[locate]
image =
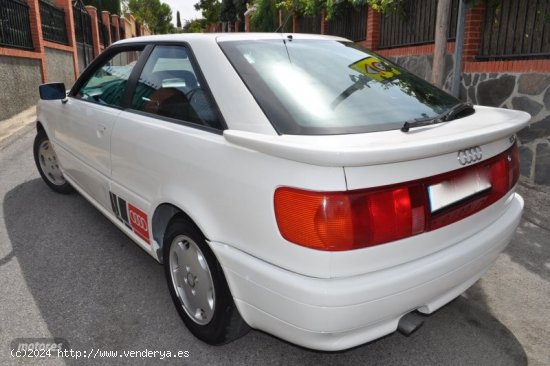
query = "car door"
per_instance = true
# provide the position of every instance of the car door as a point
(83, 138)
(170, 117)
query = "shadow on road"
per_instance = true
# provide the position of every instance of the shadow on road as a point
(95, 288)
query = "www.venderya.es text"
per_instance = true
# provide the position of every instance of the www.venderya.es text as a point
(96, 353)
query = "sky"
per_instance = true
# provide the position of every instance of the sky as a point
(186, 8)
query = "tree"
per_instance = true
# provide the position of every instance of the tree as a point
(264, 19)
(297, 7)
(210, 10)
(383, 6)
(178, 19)
(157, 15)
(112, 6)
(232, 10)
(441, 30)
(195, 25)
(228, 13)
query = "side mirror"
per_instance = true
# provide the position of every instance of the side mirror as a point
(52, 91)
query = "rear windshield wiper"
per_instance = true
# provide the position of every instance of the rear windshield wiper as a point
(461, 109)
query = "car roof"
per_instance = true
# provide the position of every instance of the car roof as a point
(217, 37)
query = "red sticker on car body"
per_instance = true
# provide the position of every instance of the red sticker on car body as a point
(138, 221)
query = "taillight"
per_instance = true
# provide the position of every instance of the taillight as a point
(313, 219)
(336, 221)
(349, 220)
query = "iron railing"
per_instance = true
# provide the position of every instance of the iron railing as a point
(113, 32)
(414, 24)
(15, 26)
(83, 33)
(516, 29)
(349, 22)
(103, 33)
(53, 23)
(310, 24)
(82, 23)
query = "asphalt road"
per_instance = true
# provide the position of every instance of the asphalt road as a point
(66, 271)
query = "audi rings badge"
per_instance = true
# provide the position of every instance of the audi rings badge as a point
(470, 155)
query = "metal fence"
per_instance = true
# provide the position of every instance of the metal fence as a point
(516, 29)
(310, 24)
(15, 26)
(113, 32)
(54, 28)
(82, 25)
(83, 33)
(103, 32)
(349, 22)
(414, 24)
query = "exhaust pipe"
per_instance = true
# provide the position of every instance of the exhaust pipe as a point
(409, 323)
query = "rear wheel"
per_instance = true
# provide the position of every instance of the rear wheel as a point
(198, 286)
(48, 165)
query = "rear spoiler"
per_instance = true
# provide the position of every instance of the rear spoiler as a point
(486, 125)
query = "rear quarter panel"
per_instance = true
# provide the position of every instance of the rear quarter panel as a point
(227, 190)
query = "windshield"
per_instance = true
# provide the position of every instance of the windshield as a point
(314, 87)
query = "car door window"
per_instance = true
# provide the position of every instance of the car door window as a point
(169, 87)
(107, 84)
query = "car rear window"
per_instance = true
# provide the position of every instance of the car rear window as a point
(315, 87)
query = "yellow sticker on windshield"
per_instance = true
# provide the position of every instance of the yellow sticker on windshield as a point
(374, 68)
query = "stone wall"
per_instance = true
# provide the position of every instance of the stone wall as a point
(19, 78)
(60, 66)
(528, 92)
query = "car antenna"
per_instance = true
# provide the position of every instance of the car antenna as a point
(282, 26)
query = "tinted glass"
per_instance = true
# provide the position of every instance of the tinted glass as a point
(168, 86)
(107, 84)
(330, 87)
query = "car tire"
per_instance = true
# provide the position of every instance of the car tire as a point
(198, 286)
(48, 165)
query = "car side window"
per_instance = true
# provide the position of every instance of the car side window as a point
(107, 84)
(168, 86)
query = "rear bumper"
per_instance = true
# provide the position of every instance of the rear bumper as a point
(340, 313)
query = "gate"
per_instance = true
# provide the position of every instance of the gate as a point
(83, 30)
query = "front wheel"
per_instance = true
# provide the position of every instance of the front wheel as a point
(198, 286)
(48, 165)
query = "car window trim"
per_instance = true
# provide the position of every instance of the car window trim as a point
(132, 84)
(134, 77)
(97, 63)
(175, 121)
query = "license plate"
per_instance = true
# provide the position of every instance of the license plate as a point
(449, 192)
